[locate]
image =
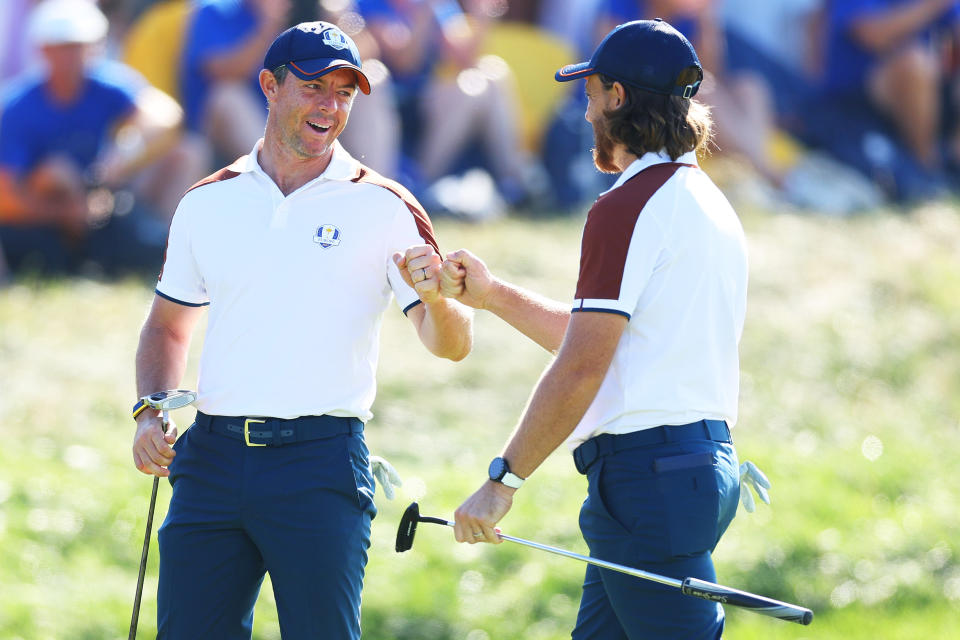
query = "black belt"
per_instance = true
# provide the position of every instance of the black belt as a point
(607, 443)
(276, 432)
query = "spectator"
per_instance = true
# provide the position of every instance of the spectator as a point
(885, 50)
(76, 141)
(221, 60)
(448, 93)
(785, 30)
(783, 41)
(742, 106)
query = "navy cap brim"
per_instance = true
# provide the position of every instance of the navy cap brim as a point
(574, 71)
(316, 67)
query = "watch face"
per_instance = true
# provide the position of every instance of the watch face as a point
(498, 467)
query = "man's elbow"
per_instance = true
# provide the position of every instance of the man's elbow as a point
(456, 351)
(463, 352)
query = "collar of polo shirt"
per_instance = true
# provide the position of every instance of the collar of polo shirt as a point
(342, 165)
(648, 160)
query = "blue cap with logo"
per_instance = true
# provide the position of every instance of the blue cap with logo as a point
(312, 49)
(646, 54)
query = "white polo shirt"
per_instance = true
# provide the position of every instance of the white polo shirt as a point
(664, 248)
(296, 285)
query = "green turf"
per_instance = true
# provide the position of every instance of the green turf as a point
(850, 403)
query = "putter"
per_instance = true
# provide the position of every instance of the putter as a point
(688, 586)
(163, 401)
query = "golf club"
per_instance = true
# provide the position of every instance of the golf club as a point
(163, 401)
(688, 586)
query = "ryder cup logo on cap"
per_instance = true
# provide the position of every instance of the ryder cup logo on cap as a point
(313, 49)
(335, 39)
(327, 236)
(647, 54)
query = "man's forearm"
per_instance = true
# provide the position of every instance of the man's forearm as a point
(539, 318)
(447, 329)
(565, 391)
(880, 33)
(559, 401)
(161, 359)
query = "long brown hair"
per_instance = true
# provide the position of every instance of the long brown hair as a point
(651, 122)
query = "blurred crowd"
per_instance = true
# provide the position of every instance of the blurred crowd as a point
(110, 110)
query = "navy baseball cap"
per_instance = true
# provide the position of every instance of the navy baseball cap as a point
(646, 54)
(312, 49)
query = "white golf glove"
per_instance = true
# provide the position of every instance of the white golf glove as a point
(751, 476)
(387, 477)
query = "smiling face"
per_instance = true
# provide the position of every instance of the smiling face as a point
(308, 115)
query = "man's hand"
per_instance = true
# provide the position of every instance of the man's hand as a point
(467, 279)
(475, 519)
(420, 268)
(152, 450)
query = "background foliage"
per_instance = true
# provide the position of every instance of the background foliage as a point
(850, 403)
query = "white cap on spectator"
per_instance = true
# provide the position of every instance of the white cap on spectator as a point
(66, 22)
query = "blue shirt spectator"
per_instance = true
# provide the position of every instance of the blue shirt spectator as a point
(34, 127)
(216, 27)
(848, 60)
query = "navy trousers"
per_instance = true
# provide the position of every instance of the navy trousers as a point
(301, 511)
(662, 508)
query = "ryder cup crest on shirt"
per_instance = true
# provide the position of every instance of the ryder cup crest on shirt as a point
(327, 236)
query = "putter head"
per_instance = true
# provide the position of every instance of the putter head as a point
(407, 528)
(170, 399)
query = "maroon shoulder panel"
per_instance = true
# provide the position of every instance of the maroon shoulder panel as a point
(424, 226)
(609, 228)
(224, 174)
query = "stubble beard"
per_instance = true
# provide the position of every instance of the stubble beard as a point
(603, 146)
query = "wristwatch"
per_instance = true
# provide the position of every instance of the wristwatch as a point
(140, 407)
(499, 471)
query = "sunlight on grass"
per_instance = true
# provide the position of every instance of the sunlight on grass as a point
(850, 403)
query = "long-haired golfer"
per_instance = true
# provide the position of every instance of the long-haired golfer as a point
(645, 383)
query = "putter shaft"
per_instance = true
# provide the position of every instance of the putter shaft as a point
(143, 560)
(688, 586)
(639, 573)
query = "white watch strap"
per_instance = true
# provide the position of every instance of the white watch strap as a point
(512, 480)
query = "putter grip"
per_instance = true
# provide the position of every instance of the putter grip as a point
(758, 604)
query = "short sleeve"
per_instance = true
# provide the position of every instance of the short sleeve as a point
(180, 279)
(408, 230)
(618, 254)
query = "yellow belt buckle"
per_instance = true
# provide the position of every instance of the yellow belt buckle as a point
(246, 432)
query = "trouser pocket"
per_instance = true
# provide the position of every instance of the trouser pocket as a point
(688, 486)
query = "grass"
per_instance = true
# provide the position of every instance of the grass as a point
(850, 403)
